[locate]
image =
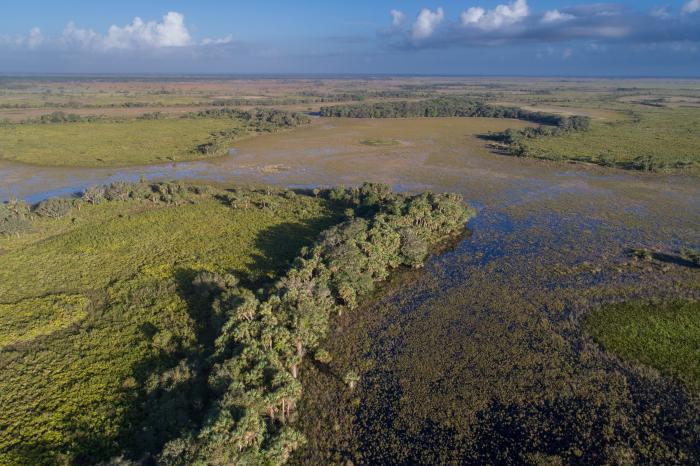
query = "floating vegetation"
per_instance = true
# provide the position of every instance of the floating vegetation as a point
(380, 142)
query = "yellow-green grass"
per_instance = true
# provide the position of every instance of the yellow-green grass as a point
(380, 142)
(663, 335)
(93, 305)
(670, 138)
(109, 142)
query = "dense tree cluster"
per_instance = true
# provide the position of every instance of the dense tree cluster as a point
(256, 365)
(261, 119)
(16, 216)
(453, 107)
(167, 192)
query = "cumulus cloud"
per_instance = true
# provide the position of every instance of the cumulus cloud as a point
(170, 32)
(397, 18)
(515, 23)
(502, 15)
(555, 16)
(691, 6)
(426, 22)
(35, 38)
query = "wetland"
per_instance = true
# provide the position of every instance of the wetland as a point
(523, 340)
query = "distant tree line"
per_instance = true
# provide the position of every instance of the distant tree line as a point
(258, 121)
(261, 118)
(454, 107)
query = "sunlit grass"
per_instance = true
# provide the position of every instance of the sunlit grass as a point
(92, 307)
(109, 142)
(669, 138)
(665, 336)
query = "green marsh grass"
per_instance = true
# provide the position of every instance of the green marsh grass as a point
(95, 315)
(648, 140)
(663, 335)
(109, 142)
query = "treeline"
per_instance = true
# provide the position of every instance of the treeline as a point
(17, 216)
(258, 121)
(62, 117)
(255, 374)
(454, 107)
(262, 119)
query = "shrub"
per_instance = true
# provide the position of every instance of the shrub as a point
(94, 194)
(14, 218)
(55, 207)
(118, 191)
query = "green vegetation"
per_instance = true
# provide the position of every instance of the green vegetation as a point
(108, 143)
(649, 140)
(63, 141)
(380, 142)
(101, 329)
(663, 335)
(14, 218)
(454, 107)
(146, 317)
(263, 339)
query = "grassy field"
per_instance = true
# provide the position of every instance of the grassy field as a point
(109, 143)
(649, 125)
(651, 139)
(97, 316)
(665, 336)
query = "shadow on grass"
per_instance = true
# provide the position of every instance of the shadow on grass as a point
(174, 397)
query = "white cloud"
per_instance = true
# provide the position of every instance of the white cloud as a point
(502, 15)
(171, 32)
(472, 15)
(555, 16)
(567, 53)
(35, 38)
(660, 13)
(81, 38)
(397, 18)
(224, 40)
(691, 6)
(426, 23)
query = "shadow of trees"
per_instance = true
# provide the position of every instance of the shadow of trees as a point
(173, 394)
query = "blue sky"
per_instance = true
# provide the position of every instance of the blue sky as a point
(485, 37)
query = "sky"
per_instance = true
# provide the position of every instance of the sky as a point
(426, 37)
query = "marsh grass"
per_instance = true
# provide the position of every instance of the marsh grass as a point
(98, 313)
(648, 139)
(663, 335)
(110, 142)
